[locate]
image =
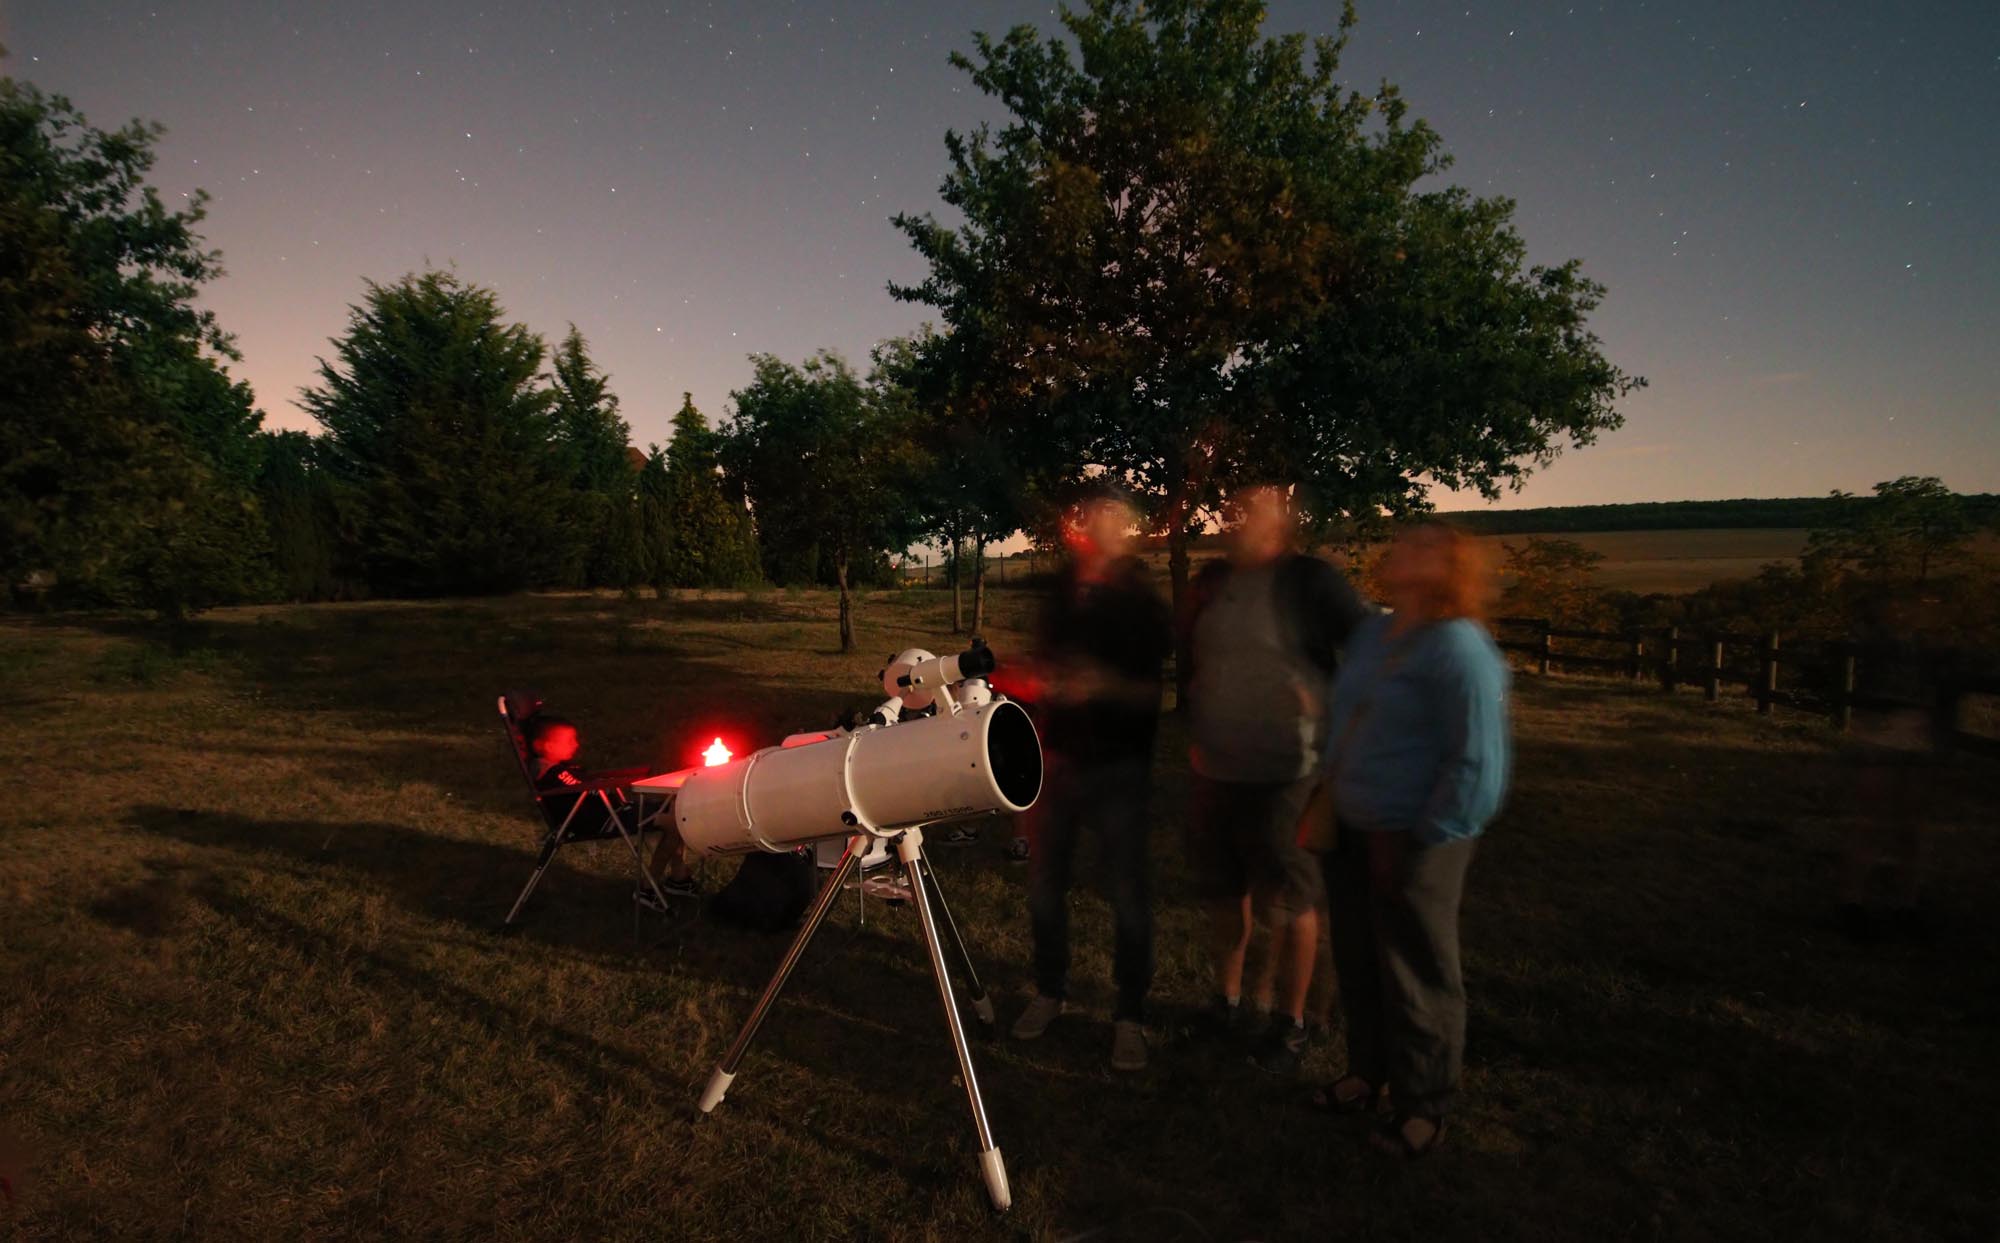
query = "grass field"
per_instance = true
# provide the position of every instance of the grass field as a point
(255, 988)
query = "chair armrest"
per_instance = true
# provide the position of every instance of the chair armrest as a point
(591, 786)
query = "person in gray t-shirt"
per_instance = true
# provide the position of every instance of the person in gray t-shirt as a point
(1264, 636)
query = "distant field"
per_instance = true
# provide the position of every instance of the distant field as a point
(1677, 561)
(1641, 561)
(253, 984)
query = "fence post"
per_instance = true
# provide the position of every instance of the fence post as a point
(1767, 678)
(1714, 689)
(1843, 707)
(1670, 660)
(1548, 647)
(1636, 660)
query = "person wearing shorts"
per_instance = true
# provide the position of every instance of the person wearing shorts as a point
(1263, 637)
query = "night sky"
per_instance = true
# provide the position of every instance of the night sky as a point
(1795, 207)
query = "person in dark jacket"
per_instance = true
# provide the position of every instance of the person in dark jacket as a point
(1102, 647)
(1264, 631)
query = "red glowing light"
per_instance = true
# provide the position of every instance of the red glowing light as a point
(716, 754)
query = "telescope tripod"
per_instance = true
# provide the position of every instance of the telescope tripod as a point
(936, 919)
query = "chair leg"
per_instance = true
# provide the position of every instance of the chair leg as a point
(548, 852)
(638, 861)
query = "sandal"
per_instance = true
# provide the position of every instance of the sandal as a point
(1392, 1138)
(1349, 1094)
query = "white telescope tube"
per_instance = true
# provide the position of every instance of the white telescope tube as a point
(984, 760)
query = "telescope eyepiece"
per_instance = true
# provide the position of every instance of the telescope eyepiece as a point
(977, 661)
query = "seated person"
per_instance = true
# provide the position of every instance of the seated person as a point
(552, 750)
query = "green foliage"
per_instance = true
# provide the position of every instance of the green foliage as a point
(706, 539)
(1189, 257)
(1773, 513)
(126, 451)
(1555, 579)
(827, 466)
(1910, 529)
(653, 522)
(595, 444)
(300, 519)
(441, 443)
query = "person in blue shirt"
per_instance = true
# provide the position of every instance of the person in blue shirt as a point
(1417, 762)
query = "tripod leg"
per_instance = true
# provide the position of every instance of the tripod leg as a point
(725, 1072)
(910, 849)
(982, 1005)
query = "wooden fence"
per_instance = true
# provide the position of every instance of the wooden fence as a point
(1703, 658)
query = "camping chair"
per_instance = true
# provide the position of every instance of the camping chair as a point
(558, 808)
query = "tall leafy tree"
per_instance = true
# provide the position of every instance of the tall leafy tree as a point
(971, 486)
(824, 464)
(1909, 529)
(126, 450)
(595, 443)
(441, 443)
(1189, 255)
(709, 538)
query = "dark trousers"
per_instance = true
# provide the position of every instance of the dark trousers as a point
(1112, 798)
(1394, 906)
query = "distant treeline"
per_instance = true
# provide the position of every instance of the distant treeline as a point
(1768, 513)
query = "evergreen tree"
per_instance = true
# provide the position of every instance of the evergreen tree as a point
(596, 446)
(440, 442)
(299, 517)
(707, 540)
(654, 524)
(126, 450)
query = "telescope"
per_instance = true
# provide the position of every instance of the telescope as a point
(879, 782)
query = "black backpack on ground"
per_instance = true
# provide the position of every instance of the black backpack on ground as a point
(768, 893)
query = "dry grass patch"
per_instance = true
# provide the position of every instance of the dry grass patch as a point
(250, 887)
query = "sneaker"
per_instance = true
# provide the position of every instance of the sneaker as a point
(958, 835)
(1222, 1021)
(1017, 850)
(1282, 1048)
(1128, 1045)
(1035, 1020)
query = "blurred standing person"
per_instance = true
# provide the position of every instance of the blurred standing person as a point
(1419, 763)
(1266, 627)
(1103, 641)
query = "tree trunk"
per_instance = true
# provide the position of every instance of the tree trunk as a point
(957, 588)
(846, 604)
(1177, 580)
(978, 584)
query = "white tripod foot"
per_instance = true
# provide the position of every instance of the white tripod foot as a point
(984, 1009)
(994, 1170)
(718, 1087)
